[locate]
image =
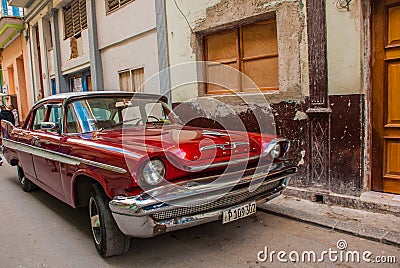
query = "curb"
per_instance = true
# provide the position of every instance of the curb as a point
(373, 226)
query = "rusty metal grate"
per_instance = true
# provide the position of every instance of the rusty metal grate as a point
(225, 201)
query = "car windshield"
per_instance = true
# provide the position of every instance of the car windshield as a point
(97, 114)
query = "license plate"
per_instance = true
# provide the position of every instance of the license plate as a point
(238, 212)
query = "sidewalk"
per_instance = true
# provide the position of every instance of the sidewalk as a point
(374, 226)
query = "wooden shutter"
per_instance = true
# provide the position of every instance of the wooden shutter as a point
(124, 81)
(68, 25)
(138, 79)
(112, 5)
(222, 56)
(251, 49)
(123, 2)
(260, 56)
(75, 18)
(83, 14)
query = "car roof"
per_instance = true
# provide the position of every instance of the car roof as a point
(73, 95)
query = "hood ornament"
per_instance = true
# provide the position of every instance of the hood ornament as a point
(224, 147)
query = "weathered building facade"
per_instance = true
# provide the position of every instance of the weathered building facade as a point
(127, 37)
(325, 69)
(321, 86)
(14, 57)
(82, 45)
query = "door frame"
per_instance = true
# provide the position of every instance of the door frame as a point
(366, 106)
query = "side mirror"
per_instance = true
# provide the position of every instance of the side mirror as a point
(48, 126)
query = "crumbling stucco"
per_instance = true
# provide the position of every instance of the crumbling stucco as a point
(204, 17)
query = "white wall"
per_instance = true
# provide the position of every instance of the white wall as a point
(179, 37)
(127, 40)
(130, 20)
(140, 52)
(344, 30)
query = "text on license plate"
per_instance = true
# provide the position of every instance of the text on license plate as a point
(239, 212)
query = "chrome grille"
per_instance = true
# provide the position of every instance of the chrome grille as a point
(225, 201)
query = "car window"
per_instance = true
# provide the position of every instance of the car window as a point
(102, 114)
(39, 117)
(131, 115)
(155, 110)
(73, 125)
(55, 116)
(97, 113)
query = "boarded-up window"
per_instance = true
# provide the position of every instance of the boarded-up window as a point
(112, 5)
(75, 18)
(137, 79)
(252, 53)
(131, 80)
(124, 81)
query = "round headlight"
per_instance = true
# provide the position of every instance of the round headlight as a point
(276, 151)
(153, 172)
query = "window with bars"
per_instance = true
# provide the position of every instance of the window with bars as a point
(75, 18)
(243, 59)
(112, 5)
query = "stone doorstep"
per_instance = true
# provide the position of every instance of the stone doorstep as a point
(371, 225)
(368, 201)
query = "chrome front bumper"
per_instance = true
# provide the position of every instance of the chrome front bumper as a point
(193, 203)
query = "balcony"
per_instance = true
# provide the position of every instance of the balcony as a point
(11, 23)
(20, 3)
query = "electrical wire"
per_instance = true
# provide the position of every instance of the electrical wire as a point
(343, 4)
(187, 21)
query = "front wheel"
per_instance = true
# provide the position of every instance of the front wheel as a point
(108, 238)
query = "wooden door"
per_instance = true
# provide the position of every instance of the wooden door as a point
(386, 96)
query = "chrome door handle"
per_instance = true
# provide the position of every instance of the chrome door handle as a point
(35, 141)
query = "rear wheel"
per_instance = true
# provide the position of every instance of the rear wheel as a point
(26, 184)
(108, 238)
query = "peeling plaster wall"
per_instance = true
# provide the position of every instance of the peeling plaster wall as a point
(206, 16)
(344, 48)
(290, 103)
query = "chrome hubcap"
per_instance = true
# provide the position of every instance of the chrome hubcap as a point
(95, 220)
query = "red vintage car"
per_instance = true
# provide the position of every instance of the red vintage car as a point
(141, 172)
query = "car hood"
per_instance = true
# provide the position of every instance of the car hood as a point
(187, 143)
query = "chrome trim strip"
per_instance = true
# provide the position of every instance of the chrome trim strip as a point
(59, 157)
(224, 147)
(105, 147)
(214, 133)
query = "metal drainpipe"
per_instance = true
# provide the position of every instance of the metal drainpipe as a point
(31, 62)
(163, 50)
(96, 68)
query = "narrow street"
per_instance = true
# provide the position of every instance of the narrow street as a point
(36, 230)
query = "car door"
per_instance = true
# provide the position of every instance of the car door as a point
(24, 137)
(47, 146)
